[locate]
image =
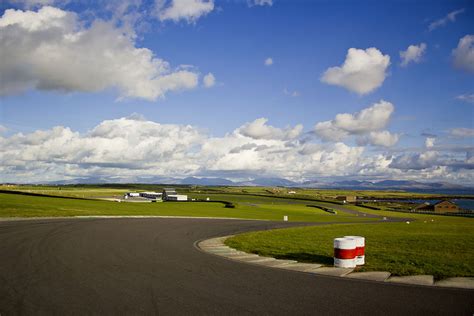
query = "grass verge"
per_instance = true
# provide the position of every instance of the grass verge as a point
(443, 247)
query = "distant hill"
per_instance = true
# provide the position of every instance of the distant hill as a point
(269, 182)
(206, 181)
(401, 185)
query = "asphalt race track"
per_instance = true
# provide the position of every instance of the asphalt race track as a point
(151, 266)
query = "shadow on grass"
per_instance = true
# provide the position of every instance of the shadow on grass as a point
(307, 257)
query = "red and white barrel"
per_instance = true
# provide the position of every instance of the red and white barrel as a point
(360, 249)
(344, 252)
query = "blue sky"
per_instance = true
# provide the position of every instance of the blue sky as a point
(432, 96)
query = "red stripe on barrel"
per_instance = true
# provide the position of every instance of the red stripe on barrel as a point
(360, 251)
(344, 253)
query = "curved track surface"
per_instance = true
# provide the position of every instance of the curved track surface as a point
(151, 266)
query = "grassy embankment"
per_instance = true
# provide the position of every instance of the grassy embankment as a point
(14, 205)
(438, 245)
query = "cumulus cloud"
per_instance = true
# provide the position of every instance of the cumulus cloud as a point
(383, 138)
(259, 129)
(416, 161)
(413, 53)
(466, 97)
(57, 52)
(134, 148)
(463, 54)
(362, 72)
(434, 163)
(209, 80)
(127, 143)
(328, 131)
(462, 132)
(450, 17)
(371, 119)
(188, 10)
(429, 142)
(268, 61)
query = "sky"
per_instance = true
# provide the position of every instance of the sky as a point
(302, 90)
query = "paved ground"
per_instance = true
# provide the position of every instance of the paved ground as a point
(150, 266)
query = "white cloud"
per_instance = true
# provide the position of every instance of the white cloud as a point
(466, 97)
(259, 129)
(464, 54)
(133, 147)
(126, 143)
(3, 129)
(363, 71)
(429, 142)
(328, 131)
(209, 80)
(268, 61)
(413, 53)
(371, 119)
(450, 17)
(462, 132)
(383, 138)
(416, 161)
(189, 10)
(85, 59)
(434, 164)
(260, 2)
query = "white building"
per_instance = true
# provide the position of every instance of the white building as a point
(169, 194)
(151, 195)
(177, 197)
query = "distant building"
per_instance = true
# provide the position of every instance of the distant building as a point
(177, 197)
(151, 195)
(291, 192)
(169, 194)
(347, 198)
(131, 194)
(439, 207)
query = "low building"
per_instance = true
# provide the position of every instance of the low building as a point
(446, 207)
(440, 207)
(425, 207)
(169, 194)
(177, 197)
(151, 195)
(347, 198)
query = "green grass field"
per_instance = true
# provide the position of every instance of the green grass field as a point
(437, 245)
(14, 205)
(87, 191)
